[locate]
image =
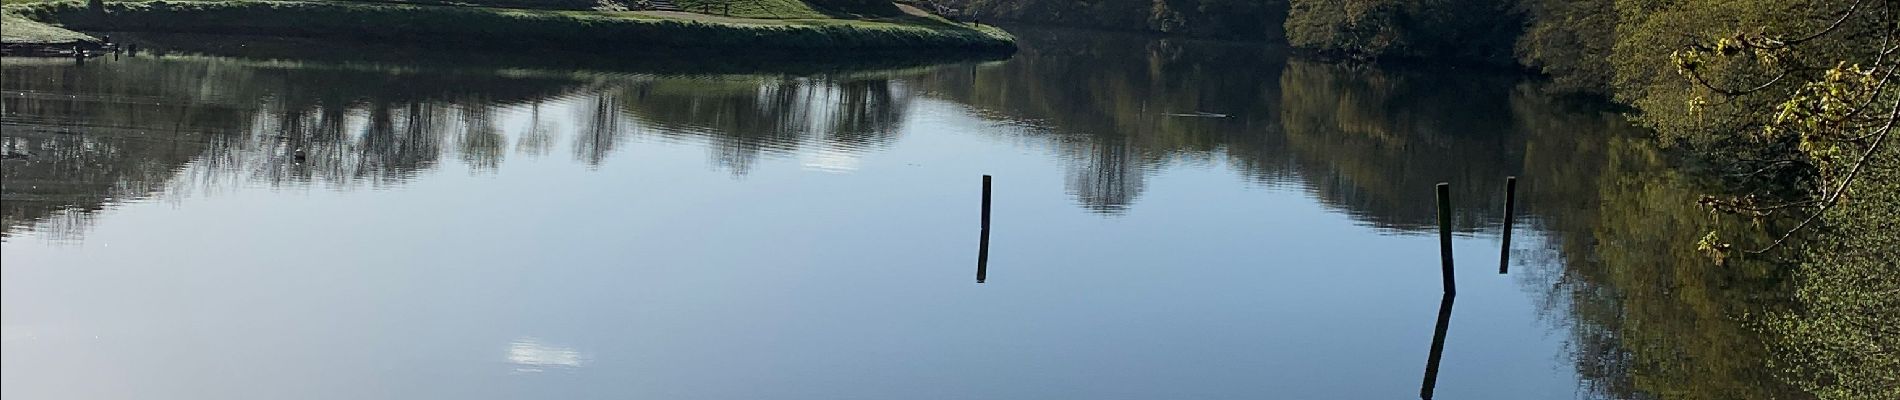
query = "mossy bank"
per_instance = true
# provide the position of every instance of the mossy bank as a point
(504, 28)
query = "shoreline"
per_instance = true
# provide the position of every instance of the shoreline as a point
(26, 37)
(292, 50)
(490, 28)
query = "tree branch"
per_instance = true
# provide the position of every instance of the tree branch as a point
(1834, 198)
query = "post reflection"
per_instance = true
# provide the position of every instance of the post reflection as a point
(1426, 388)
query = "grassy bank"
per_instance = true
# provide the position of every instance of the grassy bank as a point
(768, 9)
(513, 28)
(22, 30)
(273, 49)
(19, 30)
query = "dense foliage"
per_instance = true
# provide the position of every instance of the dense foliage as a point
(1463, 30)
(1787, 102)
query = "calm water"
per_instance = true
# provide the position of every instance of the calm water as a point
(1173, 219)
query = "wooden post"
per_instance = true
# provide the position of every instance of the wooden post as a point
(983, 244)
(1510, 215)
(1438, 348)
(1444, 237)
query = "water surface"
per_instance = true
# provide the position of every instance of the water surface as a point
(1172, 219)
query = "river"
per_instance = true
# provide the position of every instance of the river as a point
(1172, 219)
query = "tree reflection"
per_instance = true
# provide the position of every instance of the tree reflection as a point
(748, 118)
(540, 136)
(1105, 104)
(72, 151)
(482, 143)
(90, 136)
(1109, 180)
(82, 138)
(1373, 142)
(1648, 315)
(599, 130)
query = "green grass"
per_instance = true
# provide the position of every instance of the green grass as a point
(765, 9)
(533, 4)
(15, 29)
(19, 30)
(509, 28)
(779, 9)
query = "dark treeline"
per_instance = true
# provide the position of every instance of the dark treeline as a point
(1252, 19)
(1586, 45)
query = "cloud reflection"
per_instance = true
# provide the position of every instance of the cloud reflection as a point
(831, 161)
(531, 355)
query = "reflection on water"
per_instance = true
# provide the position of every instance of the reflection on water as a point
(1358, 139)
(829, 120)
(1425, 389)
(530, 355)
(1204, 177)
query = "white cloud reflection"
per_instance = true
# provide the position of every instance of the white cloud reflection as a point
(531, 355)
(837, 161)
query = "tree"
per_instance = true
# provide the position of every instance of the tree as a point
(1569, 40)
(1794, 103)
(1798, 105)
(1446, 31)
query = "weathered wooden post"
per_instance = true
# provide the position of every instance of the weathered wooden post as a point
(1510, 215)
(983, 244)
(1444, 237)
